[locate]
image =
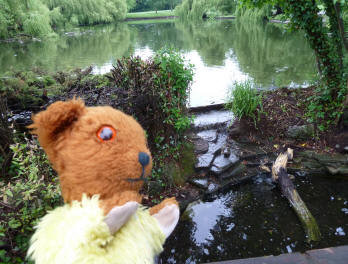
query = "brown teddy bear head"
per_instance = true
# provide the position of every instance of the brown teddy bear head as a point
(95, 150)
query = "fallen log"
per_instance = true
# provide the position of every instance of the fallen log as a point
(280, 176)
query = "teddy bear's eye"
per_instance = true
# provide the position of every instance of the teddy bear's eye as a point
(106, 133)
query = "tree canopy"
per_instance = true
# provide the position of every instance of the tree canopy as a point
(38, 17)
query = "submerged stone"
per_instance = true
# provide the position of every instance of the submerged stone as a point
(221, 163)
(213, 118)
(213, 187)
(209, 135)
(201, 146)
(216, 147)
(200, 183)
(204, 161)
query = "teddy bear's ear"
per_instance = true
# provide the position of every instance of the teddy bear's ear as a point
(55, 119)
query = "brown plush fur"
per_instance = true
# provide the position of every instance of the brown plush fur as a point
(68, 133)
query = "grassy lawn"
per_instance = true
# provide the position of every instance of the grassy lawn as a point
(147, 14)
(149, 21)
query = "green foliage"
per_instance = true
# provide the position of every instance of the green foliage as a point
(26, 90)
(29, 192)
(246, 15)
(159, 89)
(199, 9)
(37, 17)
(327, 105)
(174, 76)
(244, 101)
(30, 17)
(148, 5)
(87, 12)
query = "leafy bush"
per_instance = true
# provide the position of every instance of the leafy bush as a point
(31, 190)
(27, 90)
(156, 93)
(244, 101)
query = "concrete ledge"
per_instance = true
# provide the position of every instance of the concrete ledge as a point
(335, 255)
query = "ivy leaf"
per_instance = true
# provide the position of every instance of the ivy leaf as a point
(13, 223)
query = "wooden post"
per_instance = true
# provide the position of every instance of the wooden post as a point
(280, 175)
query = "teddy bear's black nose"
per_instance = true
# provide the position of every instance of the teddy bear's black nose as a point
(143, 158)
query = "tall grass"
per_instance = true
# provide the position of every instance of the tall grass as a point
(244, 100)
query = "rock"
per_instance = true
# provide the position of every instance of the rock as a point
(213, 187)
(212, 119)
(200, 183)
(236, 129)
(322, 163)
(209, 135)
(201, 146)
(204, 161)
(300, 132)
(221, 163)
(216, 147)
(226, 151)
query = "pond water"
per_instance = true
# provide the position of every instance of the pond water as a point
(223, 52)
(255, 220)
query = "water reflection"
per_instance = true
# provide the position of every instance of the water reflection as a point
(255, 220)
(223, 52)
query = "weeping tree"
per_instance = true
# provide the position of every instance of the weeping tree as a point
(87, 12)
(28, 16)
(37, 17)
(198, 9)
(327, 40)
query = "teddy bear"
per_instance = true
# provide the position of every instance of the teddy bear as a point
(102, 159)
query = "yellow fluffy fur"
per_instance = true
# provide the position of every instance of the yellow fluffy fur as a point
(76, 233)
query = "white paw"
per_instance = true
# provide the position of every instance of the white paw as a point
(167, 218)
(119, 215)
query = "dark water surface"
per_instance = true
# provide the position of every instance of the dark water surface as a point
(255, 220)
(222, 52)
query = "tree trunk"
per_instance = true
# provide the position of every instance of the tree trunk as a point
(305, 16)
(280, 175)
(341, 24)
